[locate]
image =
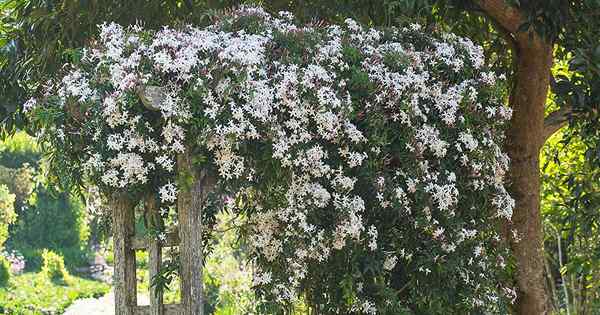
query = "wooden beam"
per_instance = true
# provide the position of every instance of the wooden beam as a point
(141, 242)
(123, 228)
(170, 309)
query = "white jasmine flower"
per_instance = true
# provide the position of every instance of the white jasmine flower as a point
(168, 193)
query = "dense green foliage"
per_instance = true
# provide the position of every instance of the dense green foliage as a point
(35, 294)
(227, 278)
(55, 221)
(45, 216)
(20, 183)
(4, 272)
(19, 151)
(572, 221)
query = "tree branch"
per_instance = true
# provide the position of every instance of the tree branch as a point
(556, 120)
(509, 17)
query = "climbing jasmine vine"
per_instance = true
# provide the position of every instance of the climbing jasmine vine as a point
(365, 160)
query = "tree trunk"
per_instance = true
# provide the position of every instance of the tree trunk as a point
(533, 62)
(525, 138)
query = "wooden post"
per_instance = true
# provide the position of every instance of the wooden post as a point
(190, 202)
(154, 255)
(124, 274)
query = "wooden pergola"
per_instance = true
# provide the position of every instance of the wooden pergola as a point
(188, 236)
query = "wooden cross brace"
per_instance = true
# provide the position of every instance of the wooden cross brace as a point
(125, 245)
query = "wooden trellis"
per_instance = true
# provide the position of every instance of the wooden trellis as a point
(188, 237)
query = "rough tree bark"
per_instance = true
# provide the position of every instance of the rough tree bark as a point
(191, 201)
(526, 135)
(525, 138)
(123, 229)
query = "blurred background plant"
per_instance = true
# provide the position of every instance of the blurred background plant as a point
(39, 225)
(4, 271)
(16, 261)
(7, 213)
(46, 217)
(53, 267)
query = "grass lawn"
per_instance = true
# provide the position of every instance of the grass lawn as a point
(34, 293)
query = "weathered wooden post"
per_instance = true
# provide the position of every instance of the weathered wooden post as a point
(191, 201)
(194, 188)
(124, 276)
(154, 255)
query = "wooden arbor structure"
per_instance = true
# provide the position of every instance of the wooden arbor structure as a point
(188, 236)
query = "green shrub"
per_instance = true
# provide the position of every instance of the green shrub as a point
(76, 256)
(47, 218)
(56, 221)
(7, 213)
(4, 271)
(19, 182)
(54, 266)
